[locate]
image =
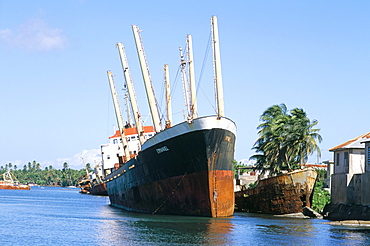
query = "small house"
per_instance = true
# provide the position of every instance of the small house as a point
(351, 175)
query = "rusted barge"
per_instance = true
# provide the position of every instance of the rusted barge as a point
(99, 189)
(11, 183)
(283, 194)
(10, 186)
(90, 185)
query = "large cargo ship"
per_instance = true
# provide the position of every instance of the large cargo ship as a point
(186, 169)
(182, 169)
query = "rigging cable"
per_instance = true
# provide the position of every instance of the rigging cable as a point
(202, 71)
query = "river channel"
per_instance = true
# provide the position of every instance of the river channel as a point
(61, 216)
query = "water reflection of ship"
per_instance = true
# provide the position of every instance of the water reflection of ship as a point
(144, 229)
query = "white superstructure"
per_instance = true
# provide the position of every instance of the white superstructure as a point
(113, 151)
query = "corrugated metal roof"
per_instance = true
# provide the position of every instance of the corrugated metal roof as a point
(353, 143)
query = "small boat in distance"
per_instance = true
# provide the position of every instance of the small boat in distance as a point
(10, 182)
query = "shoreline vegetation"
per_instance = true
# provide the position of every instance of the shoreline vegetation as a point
(33, 174)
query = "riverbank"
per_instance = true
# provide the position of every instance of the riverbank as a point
(341, 212)
(349, 223)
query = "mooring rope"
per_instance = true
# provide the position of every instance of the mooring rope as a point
(173, 192)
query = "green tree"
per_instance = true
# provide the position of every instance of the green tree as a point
(49, 176)
(321, 196)
(65, 166)
(286, 139)
(38, 167)
(34, 165)
(88, 166)
(236, 167)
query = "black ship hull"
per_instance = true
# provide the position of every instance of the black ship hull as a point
(183, 170)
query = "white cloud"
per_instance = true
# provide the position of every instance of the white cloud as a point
(79, 160)
(34, 35)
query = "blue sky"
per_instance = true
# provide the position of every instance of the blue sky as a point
(54, 55)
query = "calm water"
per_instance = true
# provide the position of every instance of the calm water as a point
(57, 216)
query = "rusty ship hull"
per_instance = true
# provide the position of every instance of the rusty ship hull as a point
(10, 186)
(184, 170)
(284, 194)
(99, 189)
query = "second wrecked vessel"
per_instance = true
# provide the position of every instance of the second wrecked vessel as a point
(283, 194)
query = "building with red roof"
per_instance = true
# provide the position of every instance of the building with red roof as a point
(349, 184)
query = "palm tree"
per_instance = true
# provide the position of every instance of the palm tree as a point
(38, 167)
(65, 165)
(34, 165)
(285, 140)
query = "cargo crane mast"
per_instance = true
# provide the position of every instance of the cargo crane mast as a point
(188, 79)
(121, 126)
(168, 96)
(217, 68)
(193, 99)
(185, 84)
(147, 80)
(128, 109)
(131, 92)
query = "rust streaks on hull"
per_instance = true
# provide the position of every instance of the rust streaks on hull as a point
(181, 195)
(221, 193)
(99, 189)
(14, 187)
